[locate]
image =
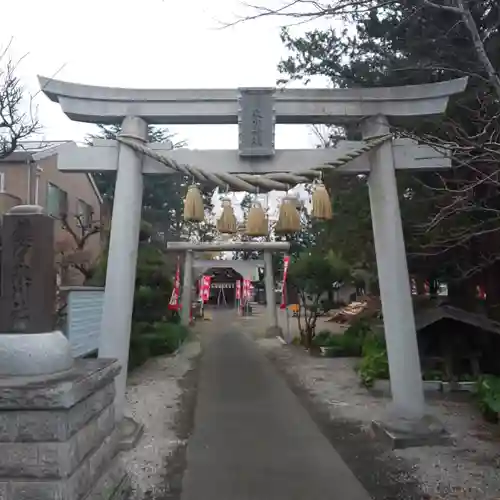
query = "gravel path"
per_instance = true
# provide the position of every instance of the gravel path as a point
(153, 394)
(470, 470)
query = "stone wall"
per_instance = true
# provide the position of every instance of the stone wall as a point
(58, 438)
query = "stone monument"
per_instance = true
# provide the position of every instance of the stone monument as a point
(58, 435)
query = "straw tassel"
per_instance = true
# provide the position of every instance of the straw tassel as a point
(194, 209)
(321, 203)
(257, 224)
(289, 217)
(227, 223)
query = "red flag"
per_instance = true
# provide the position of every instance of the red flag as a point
(245, 294)
(173, 305)
(205, 288)
(286, 263)
(246, 289)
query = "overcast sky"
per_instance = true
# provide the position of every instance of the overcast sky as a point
(148, 44)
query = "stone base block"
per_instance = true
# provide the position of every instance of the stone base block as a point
(130, 433)
(114, 484)
(401, 433)
(274, 331)
(59, 436)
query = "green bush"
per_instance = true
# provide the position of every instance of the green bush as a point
(359, 328)
(433, 375)
(155, 329)
(155, 339)
(153, 285)
(321, 338)
(166, 338)
(138, 352)
(488, 397)
(343, 346)
(374, 363)
(339, 345)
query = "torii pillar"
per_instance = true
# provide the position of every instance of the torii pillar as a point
(395, 291)
(114, 340)
(256, 111)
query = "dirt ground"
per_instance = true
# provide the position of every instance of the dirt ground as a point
(286, 321)
(470, 469)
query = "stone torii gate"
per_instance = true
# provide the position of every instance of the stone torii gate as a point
(256, 111)
(266, 246)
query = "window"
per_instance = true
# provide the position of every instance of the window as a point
(57, 201)
(84, 213)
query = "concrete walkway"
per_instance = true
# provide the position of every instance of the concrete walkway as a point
(252, 439)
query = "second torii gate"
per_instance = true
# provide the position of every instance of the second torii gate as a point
(256, 111)
(266, 247)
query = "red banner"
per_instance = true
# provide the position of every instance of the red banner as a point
(286, 263)
(245, 294)
(205, 288)
(238, 290)
(246, 289)
(173, 305)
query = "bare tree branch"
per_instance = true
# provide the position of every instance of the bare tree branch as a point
(73, 253)
(309, 10)
(17, 119)
(461, 9)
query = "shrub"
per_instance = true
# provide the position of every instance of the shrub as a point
(153, 285)
(338, 345)
(321, 339)
(138, 352)
(343, 346)
(359, 328)
(166, 338)
(488, 397)
(374, 363)
(154, 339)
(433, 375)
(312, 275)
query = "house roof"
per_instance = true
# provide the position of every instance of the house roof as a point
(34, 151)
(247, 268)
(428, 316)
(27, 149)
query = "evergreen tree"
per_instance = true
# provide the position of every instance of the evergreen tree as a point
(451, 218)
(162, 202)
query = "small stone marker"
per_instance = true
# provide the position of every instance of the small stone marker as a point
(28, 275)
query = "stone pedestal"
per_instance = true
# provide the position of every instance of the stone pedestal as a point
(58, 436)
(399, 432)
